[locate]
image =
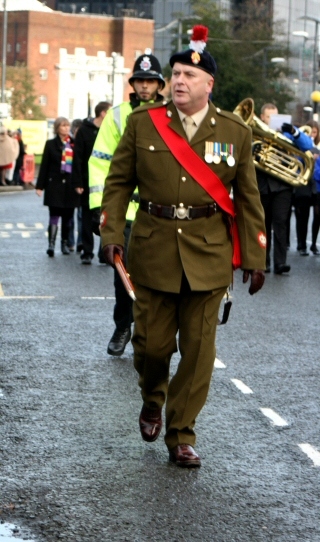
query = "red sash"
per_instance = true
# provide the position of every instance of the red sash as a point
(199, 171)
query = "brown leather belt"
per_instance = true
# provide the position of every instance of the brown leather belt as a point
(181, 212)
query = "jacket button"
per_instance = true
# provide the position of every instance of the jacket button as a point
(179, 230)
(63, 180)
(151, 148)
(183, 179)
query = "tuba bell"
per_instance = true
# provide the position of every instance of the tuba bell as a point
(273, 152)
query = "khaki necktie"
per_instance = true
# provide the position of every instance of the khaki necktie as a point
(189, 127)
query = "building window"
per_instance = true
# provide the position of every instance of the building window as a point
(18, 47)
(8, 48)
(43, 99)
(43, 74)
(44, 48)
(72, 76)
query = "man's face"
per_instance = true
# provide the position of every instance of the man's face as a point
(146, 89)
(190, 87)
(265, 116)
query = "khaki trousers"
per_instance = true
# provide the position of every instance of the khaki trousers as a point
(158, 316)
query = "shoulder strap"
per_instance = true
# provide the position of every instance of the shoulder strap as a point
(199, 171)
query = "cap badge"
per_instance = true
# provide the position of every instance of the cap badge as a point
(145, 63)
(195, 58)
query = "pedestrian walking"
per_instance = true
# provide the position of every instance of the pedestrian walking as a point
(55, 180)
(84, 141)
(9, 151)
(315, 136)
(184, 156)
(17, 180)
(74, 127)
(147, 82)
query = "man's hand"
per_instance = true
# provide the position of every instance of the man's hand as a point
(289, 128)
(109, 251)
(79, 190)
(257, 279)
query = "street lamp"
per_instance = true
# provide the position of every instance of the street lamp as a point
(4, 50)
(114, 56)
(315, 97)
(179, 23)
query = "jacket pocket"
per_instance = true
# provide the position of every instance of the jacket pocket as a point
(219, 236)
(153, 159)
(141, 230)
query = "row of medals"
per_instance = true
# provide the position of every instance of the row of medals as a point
(214, 154)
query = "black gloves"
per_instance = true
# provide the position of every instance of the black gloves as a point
(290, 129)
(109, 251)
(257, 279)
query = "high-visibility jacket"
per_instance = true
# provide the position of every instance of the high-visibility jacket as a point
(107, 140)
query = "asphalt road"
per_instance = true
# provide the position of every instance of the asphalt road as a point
(73, 465)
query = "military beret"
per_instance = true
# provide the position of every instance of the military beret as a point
(196, 56)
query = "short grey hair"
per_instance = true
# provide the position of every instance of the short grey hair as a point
(58, 122)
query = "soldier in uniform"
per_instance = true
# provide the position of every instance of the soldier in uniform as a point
(181, 250)
(147, 81)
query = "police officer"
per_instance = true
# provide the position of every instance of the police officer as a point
(181, 251)
(147, 81)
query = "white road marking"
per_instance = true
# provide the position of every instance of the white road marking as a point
(274, 417)
(4, 234)
(39, 226)
(99, 297)
(241, 386)
(25, 234)
(311, 452)
(218, 364)
(21, 225)
(27, 297)
(1, 394)
(8, 226)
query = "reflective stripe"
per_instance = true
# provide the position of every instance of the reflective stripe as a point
(93, 189)
(100, 154)
(117, 117)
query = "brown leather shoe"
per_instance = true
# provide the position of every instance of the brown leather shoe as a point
(150, 423)
(184, 455)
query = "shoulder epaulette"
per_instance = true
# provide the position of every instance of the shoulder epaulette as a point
(155, 105)
(231, 116)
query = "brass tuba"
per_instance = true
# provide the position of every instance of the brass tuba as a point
(273, 152)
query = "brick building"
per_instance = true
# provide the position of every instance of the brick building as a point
(41, 39)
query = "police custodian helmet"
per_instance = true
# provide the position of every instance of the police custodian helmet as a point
(147, 66)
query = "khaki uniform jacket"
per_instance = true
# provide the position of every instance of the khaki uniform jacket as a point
(160, 248)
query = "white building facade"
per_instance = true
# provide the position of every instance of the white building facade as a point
(84, 80)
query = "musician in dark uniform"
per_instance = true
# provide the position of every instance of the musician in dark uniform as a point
(181, 250)
(276, 198)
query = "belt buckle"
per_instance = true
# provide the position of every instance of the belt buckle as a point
(182, 212)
